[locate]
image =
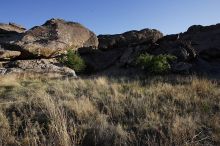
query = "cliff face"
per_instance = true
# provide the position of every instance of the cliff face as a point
(197, 50)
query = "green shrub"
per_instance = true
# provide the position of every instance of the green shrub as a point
(155, 64)
(73, 60)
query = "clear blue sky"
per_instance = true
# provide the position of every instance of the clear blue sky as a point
(114, 16)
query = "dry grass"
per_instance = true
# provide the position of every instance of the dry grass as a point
(105, 111)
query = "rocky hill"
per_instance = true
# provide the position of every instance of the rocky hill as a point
(36, 50)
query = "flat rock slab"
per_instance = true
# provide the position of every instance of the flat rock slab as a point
(40, 66)
(8, 55)
(11, 27)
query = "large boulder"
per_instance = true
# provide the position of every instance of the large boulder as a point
(55, 37)
(130, 38)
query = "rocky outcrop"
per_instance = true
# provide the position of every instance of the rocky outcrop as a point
(40, 66)
(203, 37)
(27, 51)
(121, 49)
(197, 49)
(128, 39)
(183, 50)
(55, 37)
(49, 40)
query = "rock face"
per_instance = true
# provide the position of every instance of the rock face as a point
(121, 49)
(130, 38)
(55, 37)
(203, 37)
(183, 50)
(198, 49)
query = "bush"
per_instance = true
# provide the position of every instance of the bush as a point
(73, 60)
(155, 64)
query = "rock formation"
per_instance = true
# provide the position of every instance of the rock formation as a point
(55, 37)
(121, 49)
(128, 39)
(198, 49)
(35, 50)
(47, 41)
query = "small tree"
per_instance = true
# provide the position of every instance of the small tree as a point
(155, 64)
(74, 61)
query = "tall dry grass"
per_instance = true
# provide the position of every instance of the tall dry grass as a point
(107, 111)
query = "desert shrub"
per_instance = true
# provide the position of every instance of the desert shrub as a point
(155, 64)
(74, 61)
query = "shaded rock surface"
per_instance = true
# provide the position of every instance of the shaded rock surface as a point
(130, 38)
(203, 37)
(10, 33)
(197, 50)
(120, 50)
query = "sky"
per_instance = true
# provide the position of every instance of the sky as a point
(114, 16)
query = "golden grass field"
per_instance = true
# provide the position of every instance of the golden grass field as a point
(102, 111)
